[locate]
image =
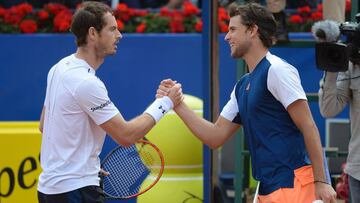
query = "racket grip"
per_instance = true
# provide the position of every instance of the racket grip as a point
(318, 201)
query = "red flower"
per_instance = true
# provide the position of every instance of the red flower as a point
(316, 16)
(24, 8)
(122, 12)
(141, 28)
(120, 24)
(190, 9)
(176, 23)
(62, 21)
(28, 26)
(304, 10)
(319, 7)
(164, 12)
(222, 14)
(296, 19)
(12, 17)
(55, 8)
(223, 27)
(63, 26)
(348, 5)
(122, 7)
(198, 26)
(43, 15)
(2, 12)
(138, 12)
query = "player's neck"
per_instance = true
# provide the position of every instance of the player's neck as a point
(89, 56)
(254, 56)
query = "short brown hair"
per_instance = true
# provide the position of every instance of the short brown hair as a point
(254, 14)
(90, 14)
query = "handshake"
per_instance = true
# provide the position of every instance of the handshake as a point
(168, 95)
(171, 89)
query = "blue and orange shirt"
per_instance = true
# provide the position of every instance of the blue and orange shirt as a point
(259, 102)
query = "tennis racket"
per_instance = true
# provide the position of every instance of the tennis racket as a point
(132, 170)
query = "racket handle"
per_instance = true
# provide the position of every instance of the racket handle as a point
(318, 201)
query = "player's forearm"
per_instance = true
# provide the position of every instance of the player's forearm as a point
(138, 127)
(128, 132)
(301, 115)
(315, 151)
(206, 131)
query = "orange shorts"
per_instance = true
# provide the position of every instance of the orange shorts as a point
(303, 191)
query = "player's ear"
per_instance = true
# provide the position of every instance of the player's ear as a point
(92, 33)
(253, 30)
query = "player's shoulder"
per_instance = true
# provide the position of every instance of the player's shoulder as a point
(279, 65)
(73, 63)
(276, 62)
(75, 67)
(89, 85)
(76, 72)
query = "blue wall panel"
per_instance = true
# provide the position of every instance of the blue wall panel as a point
(132, 75)
(24, 62)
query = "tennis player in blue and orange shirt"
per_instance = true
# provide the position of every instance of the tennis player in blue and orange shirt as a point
(270, 104)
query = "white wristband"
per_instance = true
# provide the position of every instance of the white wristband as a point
(159, 108)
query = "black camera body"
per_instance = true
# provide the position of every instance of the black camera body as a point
(335, 56)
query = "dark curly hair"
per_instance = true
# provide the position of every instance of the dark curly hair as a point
(254, 14)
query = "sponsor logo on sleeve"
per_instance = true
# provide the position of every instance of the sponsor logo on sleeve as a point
(101, 106)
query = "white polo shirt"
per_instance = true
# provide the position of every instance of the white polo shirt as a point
(76, 103)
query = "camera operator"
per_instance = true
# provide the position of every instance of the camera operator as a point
(337, 90)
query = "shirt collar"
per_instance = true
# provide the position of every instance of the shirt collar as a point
(84, 63)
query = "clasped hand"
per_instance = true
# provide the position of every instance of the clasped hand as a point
(172, 89)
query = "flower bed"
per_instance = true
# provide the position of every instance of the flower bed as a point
(56, 18)
(305, 17)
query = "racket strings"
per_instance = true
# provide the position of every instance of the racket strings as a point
(132, 170)
(150, 158)
(146, 157)
(126, 173)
